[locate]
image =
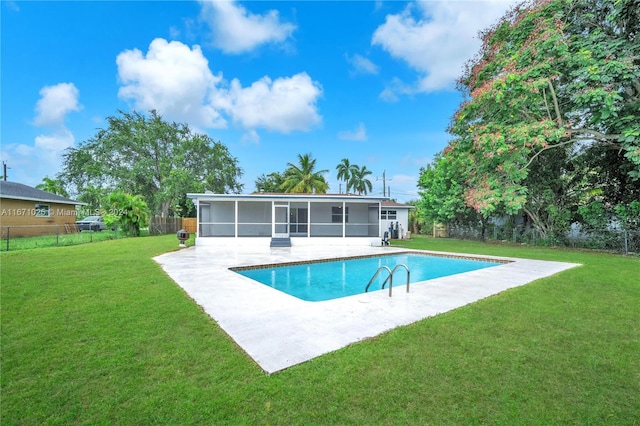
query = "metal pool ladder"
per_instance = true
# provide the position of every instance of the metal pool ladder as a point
(390, 277)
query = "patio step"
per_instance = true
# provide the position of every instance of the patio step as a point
(281, 242)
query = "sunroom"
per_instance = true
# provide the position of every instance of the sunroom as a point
(292, 218)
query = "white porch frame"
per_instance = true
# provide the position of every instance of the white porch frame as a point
(276, 226)
(232, 216)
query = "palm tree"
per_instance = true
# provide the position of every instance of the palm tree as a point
(303, 179)
(358, 180)
(270, 182)
(53, 186)
(131, 211)
(345, 170)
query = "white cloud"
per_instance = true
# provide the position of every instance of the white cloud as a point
(284, 105)
(30, 163)
(55, 103)
(436, 38)
(389, 95)
(174, 32)
(236, 30)
(395, 88)
(412, 160)
(12, 5)
(403, 187)
(60, 140)
(171, 78)
(251, 137)
(359, 134)
(361, 65)
(176, 81)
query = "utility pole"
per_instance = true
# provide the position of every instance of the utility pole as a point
(384, 183)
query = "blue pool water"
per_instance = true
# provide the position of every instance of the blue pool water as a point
(320, 281)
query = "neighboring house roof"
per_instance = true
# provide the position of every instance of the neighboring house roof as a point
(18, 191)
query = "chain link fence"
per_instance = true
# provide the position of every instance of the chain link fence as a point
(615, 240)
(23, 237)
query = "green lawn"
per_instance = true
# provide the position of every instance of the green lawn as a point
(53, 240)
(98, 334)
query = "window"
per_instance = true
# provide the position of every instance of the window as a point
(336, 215)
(42, 210)
(388, 214)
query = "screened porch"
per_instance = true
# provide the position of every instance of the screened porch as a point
(269, 218)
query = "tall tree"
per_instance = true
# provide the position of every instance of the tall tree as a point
(95, 198)
(148, 156)
(551, 76)
(302, 178)
(358, 180)
(441, 186)
(345, 170)
(53, 186)
(270, 182)
(554, 189)
(418, 221)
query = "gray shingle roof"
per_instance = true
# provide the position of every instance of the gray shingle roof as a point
(18, 191)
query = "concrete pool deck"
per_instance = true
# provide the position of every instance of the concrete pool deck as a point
(278, 330)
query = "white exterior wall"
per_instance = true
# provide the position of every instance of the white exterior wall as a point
(257, 242)
(248, 219)
(402, 217)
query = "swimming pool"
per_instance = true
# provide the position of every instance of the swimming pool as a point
(335, 278)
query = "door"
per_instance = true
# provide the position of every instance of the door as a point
(280, 221)
(298, 221)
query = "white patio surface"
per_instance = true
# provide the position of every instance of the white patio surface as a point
(278, 330)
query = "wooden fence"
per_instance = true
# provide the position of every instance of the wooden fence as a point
(159, 225)
(190, 224)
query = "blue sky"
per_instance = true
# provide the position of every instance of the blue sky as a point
(370, 81)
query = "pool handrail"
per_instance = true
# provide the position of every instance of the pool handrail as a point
(390, 277)
(393, 272)
(366, 289)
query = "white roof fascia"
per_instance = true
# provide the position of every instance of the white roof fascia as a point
(282, 197)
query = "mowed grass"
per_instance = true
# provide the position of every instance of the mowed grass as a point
(62, 239)
(98, 334)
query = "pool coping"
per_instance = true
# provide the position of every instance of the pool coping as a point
(275, 266)
(338, 259)
(278, 330)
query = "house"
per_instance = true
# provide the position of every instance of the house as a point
(28, 211)
(395, 216)
(294, 219)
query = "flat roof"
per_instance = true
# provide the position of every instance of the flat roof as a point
(296, 197)
(395, 205)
